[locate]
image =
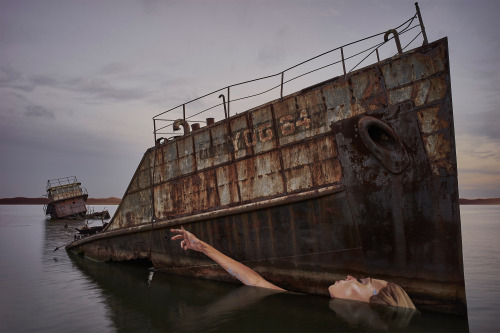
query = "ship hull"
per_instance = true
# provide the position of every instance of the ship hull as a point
(67, 208)
(355, 175)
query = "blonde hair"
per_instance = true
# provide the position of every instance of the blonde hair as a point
(393, 295)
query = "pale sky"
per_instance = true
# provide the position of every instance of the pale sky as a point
(81, 80)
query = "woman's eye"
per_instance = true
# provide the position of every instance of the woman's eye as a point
(360, 281)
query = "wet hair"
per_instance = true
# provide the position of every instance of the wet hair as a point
(393, 295)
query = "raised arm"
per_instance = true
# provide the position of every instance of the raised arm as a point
(243, 273)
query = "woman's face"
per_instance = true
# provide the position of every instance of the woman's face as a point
(359, 290)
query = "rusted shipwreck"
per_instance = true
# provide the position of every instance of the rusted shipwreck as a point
(354, 175)
(66, 197)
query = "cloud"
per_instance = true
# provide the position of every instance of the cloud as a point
(484, 124)
(43, 80)
(38, 111)
(489, 126)
(92, 86)
(102, 89)
(115, 68)
(330, 12)
(11, 78)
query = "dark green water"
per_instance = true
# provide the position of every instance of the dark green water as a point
(46, 291)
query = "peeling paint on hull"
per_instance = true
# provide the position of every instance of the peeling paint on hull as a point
(354, 175)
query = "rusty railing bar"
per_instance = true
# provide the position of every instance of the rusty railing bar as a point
(273, 75)
(314, 70)
(156, 130)
(257, 94)
(224, 103)
(342, 57)
(296, 77)
(369, 54)
(154, 126)
(282, 77)
(159, 129)
(421, 24)
(228, 100)
(381, 44)
(184, 112)
(193, 100)
(189, 121)
(420, 32)
(210, 108)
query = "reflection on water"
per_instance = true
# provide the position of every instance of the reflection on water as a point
(375, 317)
(140, 299)
(42, 290)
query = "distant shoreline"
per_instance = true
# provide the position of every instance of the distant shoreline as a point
(44, 201)
(116, 201)
(490, 201)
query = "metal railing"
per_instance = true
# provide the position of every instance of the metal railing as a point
(184, 120)
(63, 188)
(61, 181)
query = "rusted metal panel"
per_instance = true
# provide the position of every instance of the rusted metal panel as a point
(337, 99)
(185, 153)
(293, 124)
(315, 108)
(312, 163)
(203, 149)
(222, 147)
(405, 71)
(241, 137)
(263, 134)
(70, 207)
(260, 176)
(227, 185)
(421, 93)
(354, 175)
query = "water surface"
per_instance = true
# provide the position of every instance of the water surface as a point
(42, 290)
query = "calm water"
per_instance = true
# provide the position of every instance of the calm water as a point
(46, 291)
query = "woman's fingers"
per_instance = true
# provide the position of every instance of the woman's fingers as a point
(177, 237)
(184, 235)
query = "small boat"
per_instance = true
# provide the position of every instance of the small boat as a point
(102, 215)
(66, 198)
(86, 230)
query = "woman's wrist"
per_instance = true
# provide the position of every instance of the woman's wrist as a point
(204, 247)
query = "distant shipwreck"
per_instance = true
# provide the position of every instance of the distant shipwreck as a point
(353, 175)
(66, 197)
(67, 200)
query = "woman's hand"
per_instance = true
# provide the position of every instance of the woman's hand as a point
(189, 241)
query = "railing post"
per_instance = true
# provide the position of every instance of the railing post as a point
(342, 55)
(282, 77)
(421, 24)
(154, 126)
(184, 112)
(378, 57)
(224, 103)
(228, 100)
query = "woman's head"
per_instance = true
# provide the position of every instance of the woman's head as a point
(394, 295)
(372, 291)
